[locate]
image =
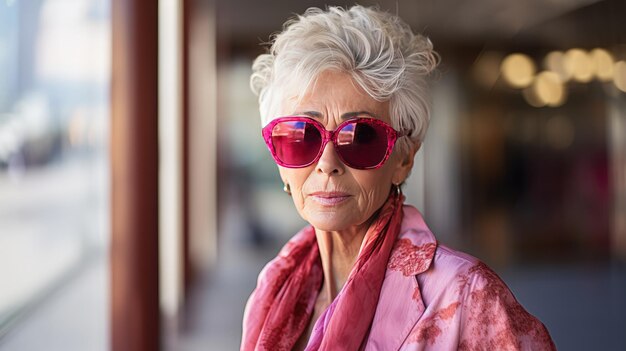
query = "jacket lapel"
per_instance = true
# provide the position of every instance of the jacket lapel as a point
(400, 304)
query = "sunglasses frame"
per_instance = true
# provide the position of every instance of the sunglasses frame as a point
(331, 135)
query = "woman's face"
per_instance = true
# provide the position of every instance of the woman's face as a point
(328, 194)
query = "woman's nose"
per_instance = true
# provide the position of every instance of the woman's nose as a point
(329, 163)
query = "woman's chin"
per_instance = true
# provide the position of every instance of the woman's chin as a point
(341, 216)
(327, 222)
(331, 220)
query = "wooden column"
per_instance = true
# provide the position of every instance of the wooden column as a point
(135, 316)
(187, 266)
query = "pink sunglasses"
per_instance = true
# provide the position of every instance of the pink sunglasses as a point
(360, 143)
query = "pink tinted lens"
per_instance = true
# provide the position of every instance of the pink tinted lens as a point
(296, 143)
(361, 144)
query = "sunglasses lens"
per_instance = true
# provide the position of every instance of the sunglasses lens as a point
(296, 143)
(362, 145)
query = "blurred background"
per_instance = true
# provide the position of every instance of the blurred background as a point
(524, 164)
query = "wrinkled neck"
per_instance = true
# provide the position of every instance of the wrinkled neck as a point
(339, 251)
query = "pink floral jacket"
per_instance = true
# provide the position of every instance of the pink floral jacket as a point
(436, 298)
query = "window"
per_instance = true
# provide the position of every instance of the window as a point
(54, 116)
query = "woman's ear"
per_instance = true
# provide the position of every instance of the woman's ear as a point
(410, 156)
(283, 174)
(406, 164)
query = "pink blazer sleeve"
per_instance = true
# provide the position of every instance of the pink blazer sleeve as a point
(492, 319)
(476, 311)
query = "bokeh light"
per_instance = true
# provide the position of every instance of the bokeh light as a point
(518, 70)
(602, 64)
(531, 97)
(620, 76)
(578, 65)
(554, 62)
(548, 89)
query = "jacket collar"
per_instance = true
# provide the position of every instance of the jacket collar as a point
(400, 304)
(415, 248)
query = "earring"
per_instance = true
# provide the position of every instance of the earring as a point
(287, 189)
(398, 189)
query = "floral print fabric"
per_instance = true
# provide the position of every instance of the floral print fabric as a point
(436, 298)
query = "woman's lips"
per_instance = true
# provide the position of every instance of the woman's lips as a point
(329, 198)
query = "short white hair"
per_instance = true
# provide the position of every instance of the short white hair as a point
(379, 50)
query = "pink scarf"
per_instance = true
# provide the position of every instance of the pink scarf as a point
(280, 308)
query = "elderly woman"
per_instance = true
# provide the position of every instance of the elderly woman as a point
(344, 100)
